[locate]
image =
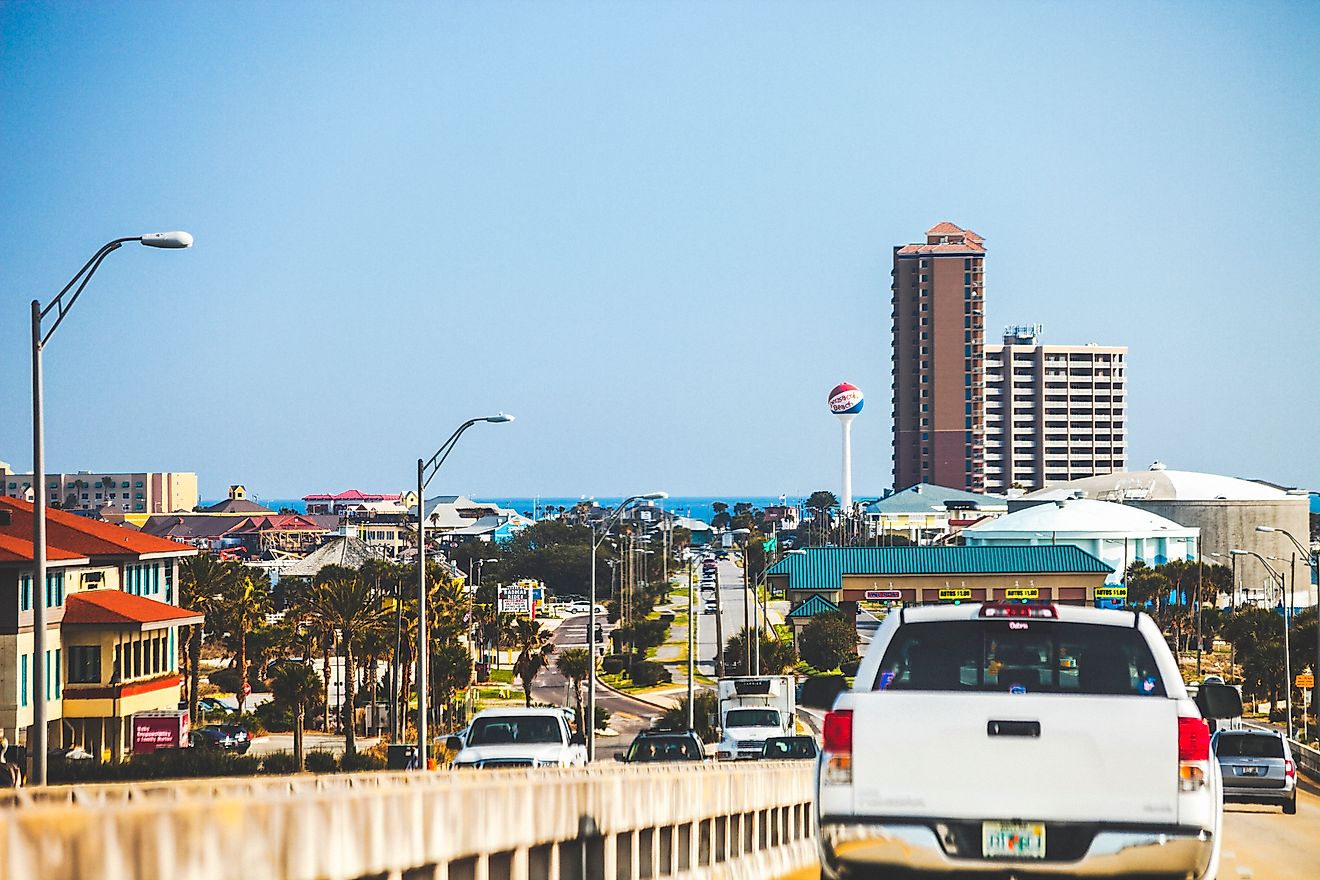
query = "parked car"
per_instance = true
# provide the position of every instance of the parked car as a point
(937, 759)
(229, 737)
(653, 746)
(1258, 767)
(790, 748)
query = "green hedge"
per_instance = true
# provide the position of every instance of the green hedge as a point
(163, 764)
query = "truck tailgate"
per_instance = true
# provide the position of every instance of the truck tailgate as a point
(1071, 758)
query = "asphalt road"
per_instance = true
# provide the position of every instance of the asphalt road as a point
(627, 715)
(732, 615)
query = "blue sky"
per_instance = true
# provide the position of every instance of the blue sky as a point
(657, 233)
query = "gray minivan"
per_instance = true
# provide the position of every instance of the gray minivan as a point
(1257, 767)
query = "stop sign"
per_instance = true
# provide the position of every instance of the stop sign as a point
(247, 689)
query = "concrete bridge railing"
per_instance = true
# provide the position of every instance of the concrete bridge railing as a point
(610, 822)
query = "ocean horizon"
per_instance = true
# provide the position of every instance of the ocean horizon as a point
(700, 507)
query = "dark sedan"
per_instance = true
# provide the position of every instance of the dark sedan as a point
(229, 737)
(781, 748)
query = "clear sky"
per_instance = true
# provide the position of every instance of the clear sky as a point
(657, 233)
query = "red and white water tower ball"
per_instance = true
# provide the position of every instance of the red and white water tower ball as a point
(846, 399)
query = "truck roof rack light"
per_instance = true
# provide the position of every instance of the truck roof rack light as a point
(1020, 609)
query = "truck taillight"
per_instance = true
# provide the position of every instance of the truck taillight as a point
(1193, 740)
(838, 731)
(1193, 753)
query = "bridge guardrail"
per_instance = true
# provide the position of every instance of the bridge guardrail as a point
(739, 822)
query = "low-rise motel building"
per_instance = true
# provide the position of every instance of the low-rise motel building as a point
(865, 577)
(112, 629)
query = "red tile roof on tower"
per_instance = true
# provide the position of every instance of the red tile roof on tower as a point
(77, 536)
(946, 228)
(115, 608)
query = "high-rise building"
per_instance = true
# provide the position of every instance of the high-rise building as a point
(1053, 412)
(939, 340)
(127, 492)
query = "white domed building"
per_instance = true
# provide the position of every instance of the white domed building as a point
(1116, 534)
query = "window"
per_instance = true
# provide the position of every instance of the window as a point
(23, 684)
(138, 485)
(25, 593)
(168, 565)
(58, 678)
(84, 664)
(123, 485)
(1020, 656)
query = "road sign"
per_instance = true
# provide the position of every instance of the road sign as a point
(883, 595)
(955, 594)
(1022, 593)
(1305, 680)
(1111, 592)
(514, 599)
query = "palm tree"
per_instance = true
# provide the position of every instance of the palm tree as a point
(297, 685)
(242, 605)
(535, 648)
(574, 664)
(348, 606)
(201, 579)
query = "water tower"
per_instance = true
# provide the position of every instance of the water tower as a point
(846, 402)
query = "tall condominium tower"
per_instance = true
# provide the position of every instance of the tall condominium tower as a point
(939, 340)
(1053, 412)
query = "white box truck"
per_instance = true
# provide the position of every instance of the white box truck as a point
(752, 709)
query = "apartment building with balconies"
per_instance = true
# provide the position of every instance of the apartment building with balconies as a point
(1053, 413)
(128, 493)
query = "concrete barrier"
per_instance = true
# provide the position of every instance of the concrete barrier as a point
(739, 822)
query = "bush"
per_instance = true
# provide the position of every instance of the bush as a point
(282, 763)
(613, 664)
(602, 717)
(163, 764)
(321, 761)
(361, 761)
(828, 641)
(646, 673)
(275, 716)
(226, 679)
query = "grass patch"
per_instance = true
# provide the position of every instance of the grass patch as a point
(504, 676)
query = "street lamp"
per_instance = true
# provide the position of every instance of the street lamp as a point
(591, 614)
(1287, 661)
(1314, 558)
(37, 741)
(426, 471)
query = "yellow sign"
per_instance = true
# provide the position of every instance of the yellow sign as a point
(1022, 593)
(1111, 592)
(1305, 680)
(961, 593)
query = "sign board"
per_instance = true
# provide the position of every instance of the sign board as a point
(883, 595)
(159, 730)
(1022, 593)
(514, 599)
(1111, 592)
(1305, 680)
(955, 594)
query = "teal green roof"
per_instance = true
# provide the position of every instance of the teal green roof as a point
(823, 568)
(814, 607)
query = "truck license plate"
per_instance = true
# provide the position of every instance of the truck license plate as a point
(1013, 840)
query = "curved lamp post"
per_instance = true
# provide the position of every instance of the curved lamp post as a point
(426, 471)
(1314, 559)
(36, 745)
(590, 720)
(1283, 604)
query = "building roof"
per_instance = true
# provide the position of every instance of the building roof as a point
(186, 526)
(279, 522)
(824, 567)
(1158, 483)
(236, 505)
(348, 552)
(814, 606)
(77, 536)
(354, 495)
(925, 498)
(1080, 515)
(967, 241)
(119, 609)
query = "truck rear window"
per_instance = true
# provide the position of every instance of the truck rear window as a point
(520, 729)
(1019, 656)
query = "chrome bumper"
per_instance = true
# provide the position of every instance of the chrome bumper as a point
(1185, 853)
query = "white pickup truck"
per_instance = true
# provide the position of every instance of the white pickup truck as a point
(519, 738)
(1018, 740)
